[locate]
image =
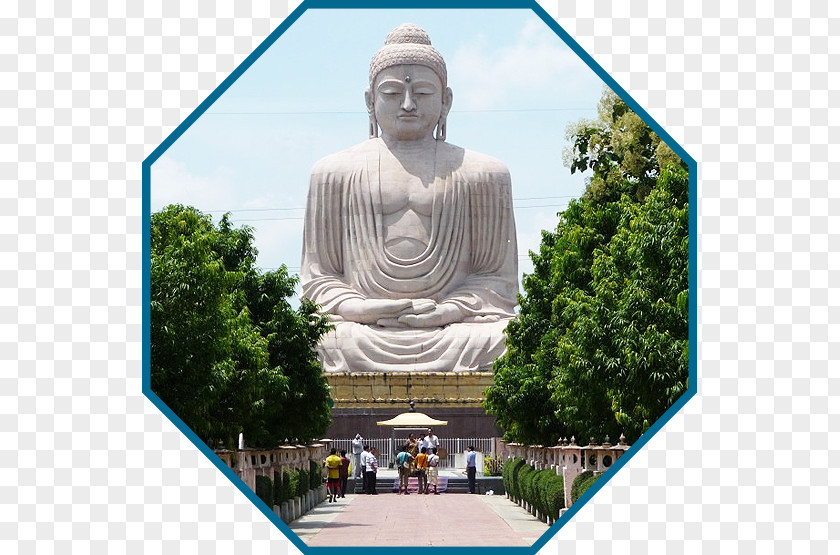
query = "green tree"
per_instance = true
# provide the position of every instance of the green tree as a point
(600, 345)
(227, 349)
(200, 340)
(623, 153)
(292, 336)
(641, 280)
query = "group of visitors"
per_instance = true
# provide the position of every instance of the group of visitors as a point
(424, 466)
(419, 458)
(338, 471)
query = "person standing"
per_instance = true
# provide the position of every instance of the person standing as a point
(421, 442)
(344, 472)
(471, 468)
(422, 463)
(362, 461)
(411, 445)
(356, 447)
(404, 459)
(333, 465)
(434, 461)
(371, 466)
(431, 441)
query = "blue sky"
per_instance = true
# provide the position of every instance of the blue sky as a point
(516, 88)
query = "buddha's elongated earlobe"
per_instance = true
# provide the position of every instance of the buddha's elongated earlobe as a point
(373, 127)
(440, 132)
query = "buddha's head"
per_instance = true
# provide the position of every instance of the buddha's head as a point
(408, 96)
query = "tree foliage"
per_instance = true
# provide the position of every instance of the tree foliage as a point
(600, 346)
(228, 352)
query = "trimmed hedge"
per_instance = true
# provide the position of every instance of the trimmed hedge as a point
(506, 476)
(582, 483)
(286, 488)
(553, 495)
(278, 488)
(525, 476)
(543, 489)
(294, 483)
(536, 491)
(516, 468)
(303, 483)
(265, 490)
(314, 475)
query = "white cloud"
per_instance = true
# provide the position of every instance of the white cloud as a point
(277, 233)
(536, 67)
(173, 183)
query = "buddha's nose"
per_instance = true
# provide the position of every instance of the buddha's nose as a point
(408, 102)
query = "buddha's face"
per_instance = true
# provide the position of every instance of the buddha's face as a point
(408, 100)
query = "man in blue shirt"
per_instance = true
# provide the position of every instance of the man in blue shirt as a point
(471, 468)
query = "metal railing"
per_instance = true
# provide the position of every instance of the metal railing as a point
(380, 446)
(453, 446)
(457, 445)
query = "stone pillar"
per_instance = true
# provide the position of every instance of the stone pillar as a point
(571, 468)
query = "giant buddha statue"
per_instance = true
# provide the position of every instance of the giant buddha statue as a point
(409, 242)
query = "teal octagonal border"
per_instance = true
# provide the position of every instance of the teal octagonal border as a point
(464, 4)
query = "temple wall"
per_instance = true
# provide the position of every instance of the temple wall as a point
(431, 389)
(362, 399)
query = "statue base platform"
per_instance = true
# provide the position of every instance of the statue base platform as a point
(362, 399)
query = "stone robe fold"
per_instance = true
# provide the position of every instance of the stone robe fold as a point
(470, 261)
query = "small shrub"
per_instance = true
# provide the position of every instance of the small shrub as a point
(582, 483)
(285, 487)
(278, 488)
(297, 487)
(265, 490)
(492, 466)
(304, 481)
(515, 469)
(537, 487)
(293, 478)
(525, 477)
(553, 495)
(506, 475)
(314, 475)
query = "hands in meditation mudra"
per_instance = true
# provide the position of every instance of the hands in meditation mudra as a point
(409, 242)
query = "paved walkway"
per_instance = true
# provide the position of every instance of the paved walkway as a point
(389, 519)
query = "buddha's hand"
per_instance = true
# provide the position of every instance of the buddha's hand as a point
(372, 311)
(443, 314)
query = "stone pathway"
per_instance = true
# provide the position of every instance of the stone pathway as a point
(419, 520)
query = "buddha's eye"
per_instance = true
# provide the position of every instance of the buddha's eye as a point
(390, 91)
(424, 91)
